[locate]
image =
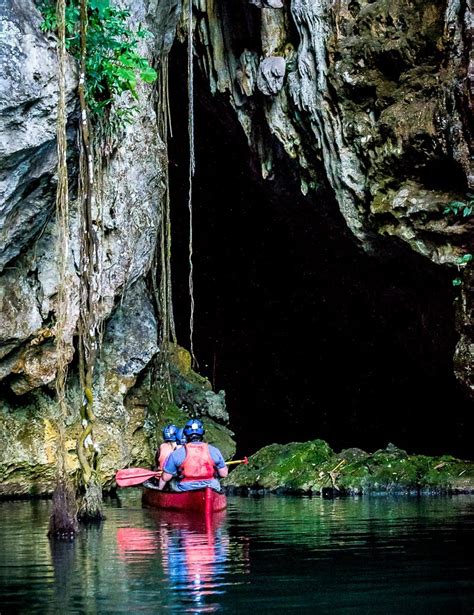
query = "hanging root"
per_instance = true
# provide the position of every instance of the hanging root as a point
(91, 507)
(62, 522)
(190, 177)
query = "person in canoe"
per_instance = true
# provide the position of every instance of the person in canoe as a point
(180, 438)
(196, 464)
(167, 447)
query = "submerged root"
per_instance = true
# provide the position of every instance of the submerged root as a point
(63, 519)
(91, 505)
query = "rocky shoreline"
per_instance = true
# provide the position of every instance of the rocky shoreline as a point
(313, 468)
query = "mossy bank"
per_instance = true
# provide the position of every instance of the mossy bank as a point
(314, 468)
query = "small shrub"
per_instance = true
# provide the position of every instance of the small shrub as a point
(113, 64)
(461, 208)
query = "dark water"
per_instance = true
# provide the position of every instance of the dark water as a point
(378, 555)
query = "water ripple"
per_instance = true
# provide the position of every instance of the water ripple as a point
(377, 555)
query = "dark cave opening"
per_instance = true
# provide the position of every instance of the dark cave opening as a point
(308, 335)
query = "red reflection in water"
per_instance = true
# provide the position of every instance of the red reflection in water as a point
(192, 544)
(132, 541)
(194, 550)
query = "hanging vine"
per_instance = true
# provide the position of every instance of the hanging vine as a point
(97, 34)
(190, 176)
(162, 289)
(87, 451)
(63, 520)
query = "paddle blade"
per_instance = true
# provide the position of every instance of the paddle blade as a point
(129, 477)
(244, 461)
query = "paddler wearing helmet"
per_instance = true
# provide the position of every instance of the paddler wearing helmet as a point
(167, 446)
(196, 464)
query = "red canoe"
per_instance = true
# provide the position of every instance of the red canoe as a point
(201, 501)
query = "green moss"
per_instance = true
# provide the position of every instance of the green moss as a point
(312, 467)
(291, 466)
(216, 434)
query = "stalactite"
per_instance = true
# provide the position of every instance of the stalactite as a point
(63, 520)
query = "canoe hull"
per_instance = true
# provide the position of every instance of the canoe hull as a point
(198, 501)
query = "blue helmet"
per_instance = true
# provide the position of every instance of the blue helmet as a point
(169, 433)
(180, 437)
(193, 427)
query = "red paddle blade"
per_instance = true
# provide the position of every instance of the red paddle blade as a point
(130, 477)
(245, 461)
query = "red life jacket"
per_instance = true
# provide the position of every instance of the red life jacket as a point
(165, 451)
(198, 464)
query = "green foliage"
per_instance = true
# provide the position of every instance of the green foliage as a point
(113, 64)
(461, 208)
(464, 260)
(461, 262)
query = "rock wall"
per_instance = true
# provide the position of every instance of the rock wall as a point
(126, 218)
(372, 97)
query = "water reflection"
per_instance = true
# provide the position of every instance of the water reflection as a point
(135, 543)
(274, 554)
(193, 550)
(62, 557)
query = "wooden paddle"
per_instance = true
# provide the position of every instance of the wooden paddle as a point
(130, 477)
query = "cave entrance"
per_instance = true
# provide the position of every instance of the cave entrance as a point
(309, 336)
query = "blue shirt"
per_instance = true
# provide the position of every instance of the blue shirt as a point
(176, 459)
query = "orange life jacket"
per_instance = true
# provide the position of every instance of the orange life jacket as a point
(165, 451)
(198, 464)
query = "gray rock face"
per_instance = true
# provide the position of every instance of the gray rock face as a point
(28, 101)
(270, 4)
(271, 74)
(376, 94)
(126, 216)
(246, 73)
(130, 341)
(20, 317)
(161, 18)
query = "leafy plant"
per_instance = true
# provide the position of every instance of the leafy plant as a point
(463, 208)
(464, 260)
(113, 63)
(461, 262)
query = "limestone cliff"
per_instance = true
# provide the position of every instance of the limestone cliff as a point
(372, 97)
(127, 216)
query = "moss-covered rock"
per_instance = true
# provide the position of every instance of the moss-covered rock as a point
(29, 436)
(216, 434)
(191, 391)
(292, 467)
(192, 396)
(130, 419)
(312, 467)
